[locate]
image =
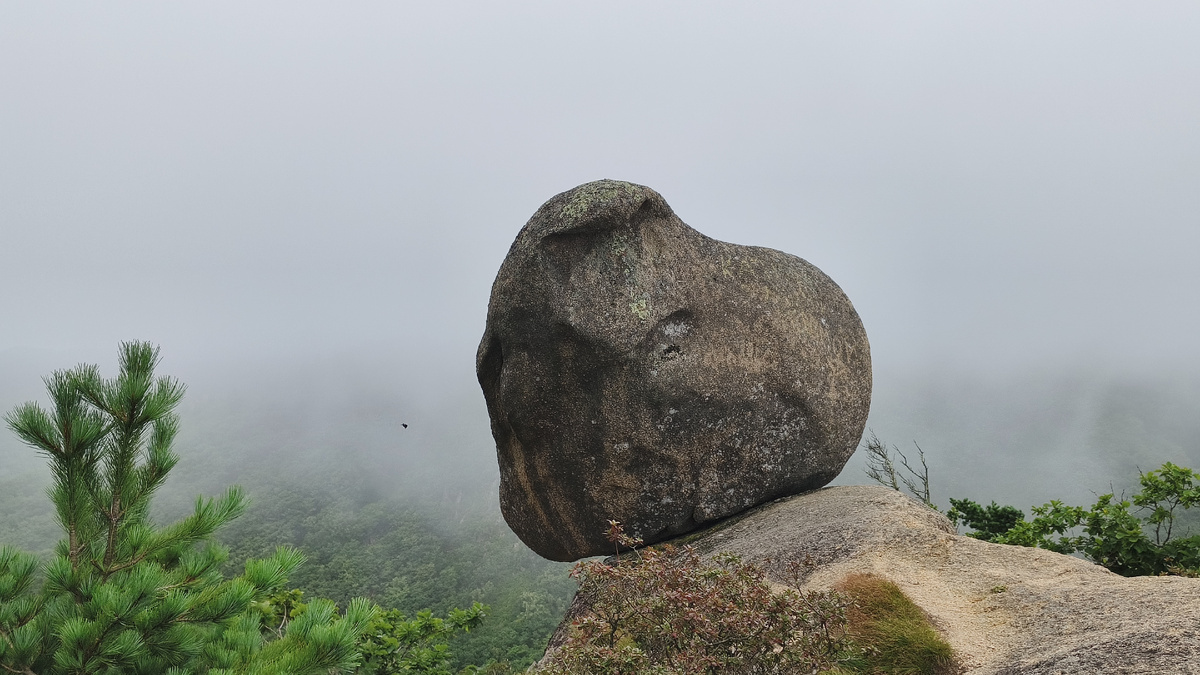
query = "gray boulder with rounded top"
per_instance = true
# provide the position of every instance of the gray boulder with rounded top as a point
(637, 370)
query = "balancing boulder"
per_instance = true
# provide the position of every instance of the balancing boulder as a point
(637, 370)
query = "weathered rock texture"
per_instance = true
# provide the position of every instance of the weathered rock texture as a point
(637, 370)
(1006, 610)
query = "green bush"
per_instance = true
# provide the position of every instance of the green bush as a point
(989, 521)
(1108, 533)
(394, 644)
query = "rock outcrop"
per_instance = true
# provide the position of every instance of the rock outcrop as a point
(1006, 610)
(637, 370)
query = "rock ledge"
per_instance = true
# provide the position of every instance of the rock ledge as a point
(1006, 610)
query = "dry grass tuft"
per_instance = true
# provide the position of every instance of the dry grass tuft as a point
(896, 634)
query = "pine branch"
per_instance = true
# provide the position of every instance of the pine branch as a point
(122, 595)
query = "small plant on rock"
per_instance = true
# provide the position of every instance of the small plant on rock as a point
(882, 468)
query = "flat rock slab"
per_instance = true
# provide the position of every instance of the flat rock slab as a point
(1006, 610)
(637, 370)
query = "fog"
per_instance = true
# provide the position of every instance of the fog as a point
(305, 204)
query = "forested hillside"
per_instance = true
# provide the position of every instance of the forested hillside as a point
(407, 556)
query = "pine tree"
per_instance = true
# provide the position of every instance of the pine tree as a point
(122, 595)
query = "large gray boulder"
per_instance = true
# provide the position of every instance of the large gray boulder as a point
(637, 370)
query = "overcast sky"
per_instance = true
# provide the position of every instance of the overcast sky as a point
(995, 185)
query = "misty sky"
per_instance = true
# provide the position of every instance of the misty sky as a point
(996, 186)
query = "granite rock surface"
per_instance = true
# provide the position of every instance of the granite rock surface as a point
(637, 370)
(1006, 610)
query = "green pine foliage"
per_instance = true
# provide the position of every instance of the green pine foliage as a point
(394, 643)
(988, 522)
(122, 595)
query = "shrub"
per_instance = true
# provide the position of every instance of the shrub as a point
(1111, 534)
(394, 644)
(664, 610)
(988, 521)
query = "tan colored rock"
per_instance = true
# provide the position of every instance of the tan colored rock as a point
(1006, 610)
(637, 370)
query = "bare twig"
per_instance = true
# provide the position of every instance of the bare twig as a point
(881, 468)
